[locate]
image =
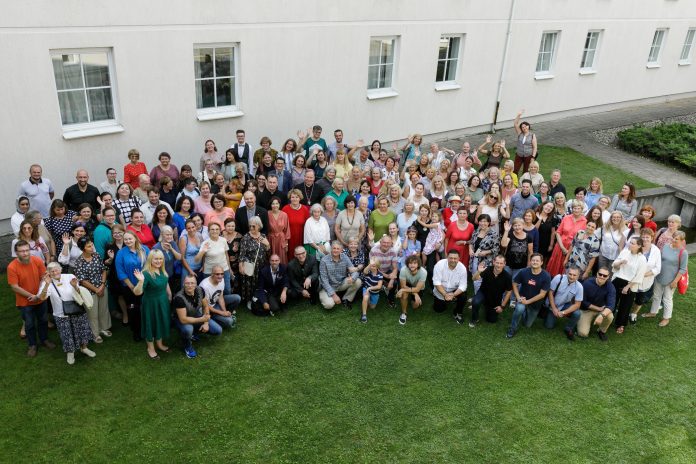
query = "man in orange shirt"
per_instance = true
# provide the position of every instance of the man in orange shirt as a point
(24, 274)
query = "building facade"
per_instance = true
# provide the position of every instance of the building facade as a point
(84, 82)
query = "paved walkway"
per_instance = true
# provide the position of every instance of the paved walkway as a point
(575, 132)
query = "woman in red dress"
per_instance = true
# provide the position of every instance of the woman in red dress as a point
(279, 233)
(458, 235)
(132, 170)
(297, 217)
(570, 225)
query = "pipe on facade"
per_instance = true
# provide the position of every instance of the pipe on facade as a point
(503, 66)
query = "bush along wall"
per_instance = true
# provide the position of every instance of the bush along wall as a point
(669, 143)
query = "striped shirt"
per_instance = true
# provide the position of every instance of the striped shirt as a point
(370, 280)
(388, 260)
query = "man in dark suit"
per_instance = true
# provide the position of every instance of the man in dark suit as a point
(303, 276)
(272, 190)
(244, 152)
(271, 296)
(249, 210)
(284, 177)
(311, 194)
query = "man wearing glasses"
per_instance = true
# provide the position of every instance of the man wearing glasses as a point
(599, 297)
(222, 307)
(303, 276)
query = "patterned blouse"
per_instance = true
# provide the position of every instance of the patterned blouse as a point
(91, 270)
(490, 241)
(583, 250)
(359, 260)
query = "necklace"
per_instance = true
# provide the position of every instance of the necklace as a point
(350, 222)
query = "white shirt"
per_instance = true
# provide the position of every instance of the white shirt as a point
(66, 293)
(212, 292)
(450, 279)
(633, 270)
(148, 210)
(316, 231)
(654, 258)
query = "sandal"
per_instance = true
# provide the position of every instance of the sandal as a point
(663, 323)
(22, 333)
(620, 330)
(154, 358)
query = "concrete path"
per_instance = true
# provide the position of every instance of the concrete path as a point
(575, 132)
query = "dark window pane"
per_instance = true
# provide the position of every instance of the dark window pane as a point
(223, 62)
(205, 94)
(100, 104)
(225, 91)
(454, 48)
(203, 62)
(73, 108)
(440, 73)
(67, 71)
(96, 66)
(387, 78)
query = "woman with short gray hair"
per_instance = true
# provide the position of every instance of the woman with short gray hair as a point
(253, 255)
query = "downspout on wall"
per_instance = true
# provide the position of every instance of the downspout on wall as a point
(503, 66)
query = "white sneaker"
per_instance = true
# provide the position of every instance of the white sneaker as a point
(71, 358)
(402, 319)
(88, 352)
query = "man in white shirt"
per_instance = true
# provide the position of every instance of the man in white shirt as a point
(38, 189)
(153, 202)
(449, 282)
(111, 183)
(222, 307)
(244, 152)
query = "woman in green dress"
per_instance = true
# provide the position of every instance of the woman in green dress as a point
(153, 285)
(378, 224)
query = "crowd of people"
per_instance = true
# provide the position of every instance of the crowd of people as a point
(327, 223)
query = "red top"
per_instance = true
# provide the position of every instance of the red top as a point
(27, 276)
(132, 171)
(296, 222)
(145, 235)
(455, 234)
(375, 186)
(651, 225)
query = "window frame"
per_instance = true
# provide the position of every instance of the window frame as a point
(92, 128)
(384, 92)
(451, 84)
(656, 62)
(592, 69)
(685, 61)
(219, 112)
(547, 74)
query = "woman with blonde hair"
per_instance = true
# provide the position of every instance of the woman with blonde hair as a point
(342, 165)
(491, 206)
(613, 240)
(233, 194)
(594, 191)
(153, 285)
(533, 175)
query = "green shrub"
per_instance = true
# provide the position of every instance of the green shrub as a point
(669, 143)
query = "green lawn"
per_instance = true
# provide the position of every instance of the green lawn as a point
(577, 169)
(318, 386)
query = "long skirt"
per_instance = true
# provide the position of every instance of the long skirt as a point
(74, 331)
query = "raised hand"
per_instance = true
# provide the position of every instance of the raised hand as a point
(482, 266)
(138, 275)
(66, 238)
(502, 143)
(395, 147)
(507, 226)
(489, 138)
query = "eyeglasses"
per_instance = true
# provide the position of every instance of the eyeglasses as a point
(219, 273)
(603, 276)
(493, 198)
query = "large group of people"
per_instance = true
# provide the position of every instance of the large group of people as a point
(187, 246)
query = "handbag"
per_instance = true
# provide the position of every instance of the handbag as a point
(683, 283)
(70, 308)
(247, 267)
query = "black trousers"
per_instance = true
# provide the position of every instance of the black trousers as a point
(440, 306)
(623, 302)
(476, 302)
(313, 293)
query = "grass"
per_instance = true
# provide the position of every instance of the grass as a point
(318, 386)
(577, 170)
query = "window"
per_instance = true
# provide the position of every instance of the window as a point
(84, 82)
(215, 74)
(448, 59)
(656, 48)
(547, 54)
(685, 57)
(381, 67)
(589, 53)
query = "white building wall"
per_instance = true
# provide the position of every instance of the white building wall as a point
(305, 61)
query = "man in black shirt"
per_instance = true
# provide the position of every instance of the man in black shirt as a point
(264, 198)
(311, 193)
(303, 276)
(81, 192)
(555, 183)
(494, 293)
(193, 314)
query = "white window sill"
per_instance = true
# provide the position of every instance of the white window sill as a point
(214, 115)
(587, 72)
(92, 131)
(684, 63)
(381, 93)
(542, 77)
(653, 65)
(441, 86)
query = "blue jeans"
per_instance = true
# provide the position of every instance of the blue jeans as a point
(528, 312)
(231, 303)
(513, 273)
(187, 330)
(35, 317)
(573, 318)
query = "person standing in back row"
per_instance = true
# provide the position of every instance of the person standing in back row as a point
(526, 144)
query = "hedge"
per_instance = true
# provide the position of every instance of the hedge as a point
(669, 143)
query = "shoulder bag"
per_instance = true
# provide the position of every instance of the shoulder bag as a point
(70, 308)
(683, 283)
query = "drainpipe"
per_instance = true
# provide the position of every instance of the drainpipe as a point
(503, 67)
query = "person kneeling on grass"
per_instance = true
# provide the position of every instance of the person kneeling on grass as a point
(337, 274)
(412, 279)
(272, 294)
(372, 282)
(193, 314)
(530, 286)
(222, 307)
(303, 276)
(565, 297)
(493, 293)
(449, 282)
(599, 299)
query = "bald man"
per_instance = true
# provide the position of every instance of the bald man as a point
(81, 192)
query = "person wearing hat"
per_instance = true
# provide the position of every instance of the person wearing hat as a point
(449, 214)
